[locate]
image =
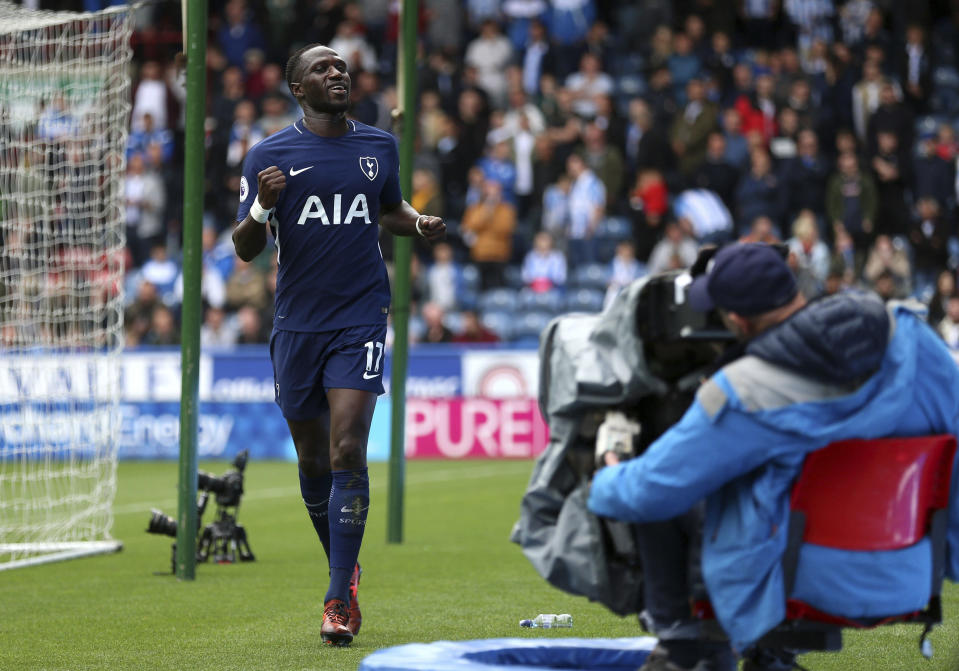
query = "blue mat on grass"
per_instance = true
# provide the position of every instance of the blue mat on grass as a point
(514, 654)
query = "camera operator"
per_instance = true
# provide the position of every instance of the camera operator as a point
(809, 374)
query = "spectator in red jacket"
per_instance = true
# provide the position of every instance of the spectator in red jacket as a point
(473, 330)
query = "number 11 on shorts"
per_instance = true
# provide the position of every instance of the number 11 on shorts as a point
(373, 365)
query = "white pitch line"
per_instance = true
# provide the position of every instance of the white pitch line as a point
(281, 492)
(273, 493)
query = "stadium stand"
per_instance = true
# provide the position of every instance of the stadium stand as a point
(584, 300)
(499, 322)
(673, 98)
(592, 276)
(546, 302)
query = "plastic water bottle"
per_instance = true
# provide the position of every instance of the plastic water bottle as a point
(548, 621)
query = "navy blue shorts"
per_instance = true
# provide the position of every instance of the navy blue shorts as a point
(306, 365)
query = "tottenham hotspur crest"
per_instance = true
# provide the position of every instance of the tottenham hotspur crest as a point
(370, 166)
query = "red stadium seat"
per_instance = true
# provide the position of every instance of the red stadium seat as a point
(864, 495)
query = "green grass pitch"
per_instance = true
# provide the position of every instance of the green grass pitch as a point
(456, 576)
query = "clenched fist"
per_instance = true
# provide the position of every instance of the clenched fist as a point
(270, 182)
(432, 228)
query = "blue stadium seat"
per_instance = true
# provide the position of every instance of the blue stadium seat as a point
(471, 278)
(630, 85)
(591, 276)
(549, 302)
(514, 276)
(945, 90)
(606, 249)
(500, 323)
(618, 228)
(130, 285)
(527, 326)
(585, 300)
(923, 292)
(628, 63)
(952, 245)
(417, 328)
(497, 299)
(946, 77)
(453, 321)
(927, 124)
(467, 299)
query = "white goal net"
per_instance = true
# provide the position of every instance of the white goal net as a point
(64, 110)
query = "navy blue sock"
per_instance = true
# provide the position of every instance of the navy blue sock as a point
(349, 502)
(316, 497)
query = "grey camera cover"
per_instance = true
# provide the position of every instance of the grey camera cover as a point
(588, 363)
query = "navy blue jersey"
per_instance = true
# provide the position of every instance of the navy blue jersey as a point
(331, 271)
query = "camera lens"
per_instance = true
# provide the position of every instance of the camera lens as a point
(161, 524)
(210, 483)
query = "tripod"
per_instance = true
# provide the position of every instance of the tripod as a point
(223, 537)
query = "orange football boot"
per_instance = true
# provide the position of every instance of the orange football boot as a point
(356, 618)
(336, 617)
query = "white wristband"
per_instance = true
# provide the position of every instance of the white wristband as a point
(258, 212)
(418, 229)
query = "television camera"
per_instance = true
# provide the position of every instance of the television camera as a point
(680, 347)
(612, 382)
(223, 538)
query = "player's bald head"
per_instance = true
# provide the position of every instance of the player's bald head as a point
(294, 66)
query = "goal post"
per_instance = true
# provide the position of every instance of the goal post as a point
(64, 112)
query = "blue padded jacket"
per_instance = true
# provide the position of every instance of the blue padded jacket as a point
(840, 368)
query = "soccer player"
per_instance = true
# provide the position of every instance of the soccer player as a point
(322, 185)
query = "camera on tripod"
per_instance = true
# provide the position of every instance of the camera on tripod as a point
(224, 538)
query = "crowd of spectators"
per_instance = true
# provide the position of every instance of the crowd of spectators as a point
(575, 145)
